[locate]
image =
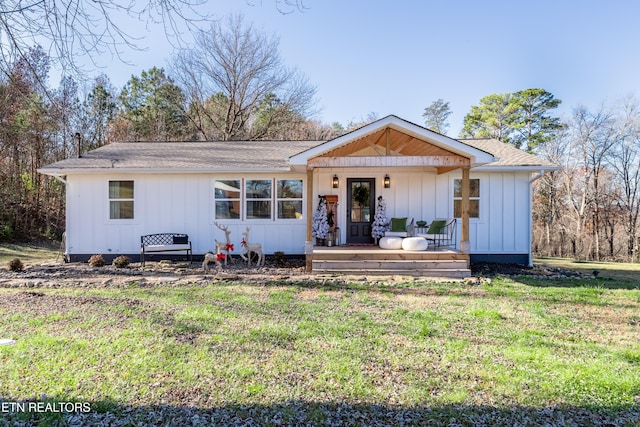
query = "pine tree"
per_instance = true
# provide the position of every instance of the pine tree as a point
(320, 223)
(380, 221)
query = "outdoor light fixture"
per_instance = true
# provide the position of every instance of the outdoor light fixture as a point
(387, 181)
(334, 181)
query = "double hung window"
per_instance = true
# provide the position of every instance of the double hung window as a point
(258, 194)
(227, 199)
(474, 198)
(121, 200)
(289, 198)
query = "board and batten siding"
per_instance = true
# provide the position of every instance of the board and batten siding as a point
(503, 225)
(184, 203)
(168, 203)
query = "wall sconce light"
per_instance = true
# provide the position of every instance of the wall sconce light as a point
(387, 181)
(334, 181)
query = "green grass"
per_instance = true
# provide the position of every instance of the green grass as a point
(29, 253)
(504, 345)
(618, 271)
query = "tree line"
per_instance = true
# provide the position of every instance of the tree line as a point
(589, 208)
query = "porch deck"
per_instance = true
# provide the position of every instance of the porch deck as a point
(439, 262)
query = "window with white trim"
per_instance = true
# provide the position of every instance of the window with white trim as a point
(289, 198)
(258, 198)
(120, 199)
(227, 198)
(474, 198)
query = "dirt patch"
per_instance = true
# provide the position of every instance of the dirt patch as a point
(487, 269)
(54, 275)
(165, 273)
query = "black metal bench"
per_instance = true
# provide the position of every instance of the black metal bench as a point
(165, 242)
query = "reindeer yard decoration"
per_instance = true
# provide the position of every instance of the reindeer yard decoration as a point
(210, 257)
(251, 248)
(223, 250)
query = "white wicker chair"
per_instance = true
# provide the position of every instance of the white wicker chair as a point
(408, 232)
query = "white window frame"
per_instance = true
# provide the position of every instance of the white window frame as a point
(269, 199)
(279, 199)
(228, 199)
(121, 199)
(456, 198)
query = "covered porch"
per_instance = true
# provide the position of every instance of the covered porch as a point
(393, 150)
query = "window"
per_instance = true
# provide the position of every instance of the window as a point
(474, 198)
(227, 197)
(120, 199)
(289, 198)
(258, 198)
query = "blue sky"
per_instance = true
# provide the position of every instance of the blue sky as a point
(396, 57)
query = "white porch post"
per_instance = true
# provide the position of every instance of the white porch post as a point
(308, 244)
(465, 244)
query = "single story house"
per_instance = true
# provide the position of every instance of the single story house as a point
(119, 192)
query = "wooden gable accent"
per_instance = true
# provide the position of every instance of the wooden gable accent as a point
(390, 147)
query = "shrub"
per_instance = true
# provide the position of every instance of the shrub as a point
(16, 265)
(97, 261)
(6, 232)
(121, 261)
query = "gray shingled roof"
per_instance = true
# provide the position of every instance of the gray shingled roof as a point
(218, 155)
(508, 154)
(239, 155)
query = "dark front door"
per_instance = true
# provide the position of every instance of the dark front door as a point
(361, 196)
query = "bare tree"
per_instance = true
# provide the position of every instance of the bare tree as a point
(237, 84)
(597, 134)
(353, 124)
(75, 28)
(287, 6)
(593, 202)
(626, 163)
(549, 196)
(436, 116)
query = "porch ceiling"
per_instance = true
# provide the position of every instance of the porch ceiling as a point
(391, 142)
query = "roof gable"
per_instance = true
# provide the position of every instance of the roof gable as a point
(389, 141)
(392, 136)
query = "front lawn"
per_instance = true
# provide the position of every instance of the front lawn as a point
(319, 353)
(618, 271)
(30, 253)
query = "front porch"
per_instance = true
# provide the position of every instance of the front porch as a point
(439, 262)
(406, 164)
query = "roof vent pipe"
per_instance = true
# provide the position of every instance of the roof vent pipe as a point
(79, 144)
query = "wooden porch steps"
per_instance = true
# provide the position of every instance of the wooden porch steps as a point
(384, 262)
(445, 272)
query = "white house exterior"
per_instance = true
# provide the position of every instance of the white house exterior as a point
(121, 191)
